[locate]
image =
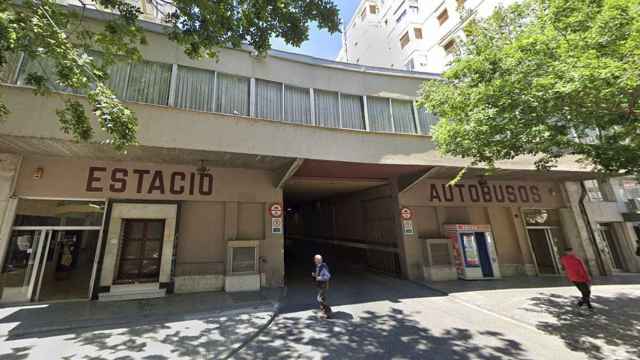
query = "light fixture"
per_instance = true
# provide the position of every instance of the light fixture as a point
(38, 173)
(202, 169)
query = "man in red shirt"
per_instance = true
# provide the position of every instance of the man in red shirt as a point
(577, 274)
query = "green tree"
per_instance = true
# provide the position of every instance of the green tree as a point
(62, 38)
(545, 78)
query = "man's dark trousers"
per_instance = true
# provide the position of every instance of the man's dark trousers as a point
(585, 290)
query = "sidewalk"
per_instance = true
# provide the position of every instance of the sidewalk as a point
(548, 305)
(25, 320)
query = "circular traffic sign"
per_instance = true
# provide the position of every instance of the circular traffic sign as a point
(275, 210)
(406, 213)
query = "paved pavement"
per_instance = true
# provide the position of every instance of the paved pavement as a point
(383, 318)
(195, 326)
(376, 317)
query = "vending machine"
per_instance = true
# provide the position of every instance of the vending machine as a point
(474, 251)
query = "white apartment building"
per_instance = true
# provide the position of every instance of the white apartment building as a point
(416, 35)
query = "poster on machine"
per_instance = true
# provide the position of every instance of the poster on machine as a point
(471, 258)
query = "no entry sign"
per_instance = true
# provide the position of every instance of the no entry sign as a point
(275, 210)
(406, 213)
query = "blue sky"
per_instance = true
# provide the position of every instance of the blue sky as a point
(321, 43)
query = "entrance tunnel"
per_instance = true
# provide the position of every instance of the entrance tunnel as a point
(345, 212)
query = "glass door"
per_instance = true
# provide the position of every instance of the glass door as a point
(18, 277)
(614, 250)
(66, 265)
(543, 244)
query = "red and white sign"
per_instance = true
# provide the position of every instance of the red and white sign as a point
(406, 213)
(275, 210)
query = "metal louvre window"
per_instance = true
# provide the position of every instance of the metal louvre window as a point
(243, 259)
(149, 83)
(232, 94)
(352, 110)
(440, 255)
(427, 121)
(403, 120)
(194, 89)
(297, 105)
(379, 114)
(327, 110)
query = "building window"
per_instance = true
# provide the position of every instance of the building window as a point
(194, 89)
(460, 3)
(404, 40)
(149, 83)
(443, 17)
(418, 33)
(403, 121)
(410, 65)
(352, 111)
(414, 9)
(373, 9)
(450, 47)
(402, 15)
(232, 94)
(327, 108)
(268, 100)
(363, 14)
(379, 112)
(427, 120)
(631, 189)
(297, 105)
(593, 190)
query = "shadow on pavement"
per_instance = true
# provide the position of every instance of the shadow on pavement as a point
(211, 338)
(375, 336)
(24, 321)
(615, 323)
(528, 282)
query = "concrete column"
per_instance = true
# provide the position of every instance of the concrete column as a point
(523, 243)
(9, 168)
(272, 253)
(411, 260)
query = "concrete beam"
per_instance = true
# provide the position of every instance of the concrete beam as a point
(406, 183)
(287, 173)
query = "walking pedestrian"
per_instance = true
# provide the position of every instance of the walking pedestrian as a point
(577, 273)
(322, 275)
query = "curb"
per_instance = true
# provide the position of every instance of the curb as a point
(139, 321)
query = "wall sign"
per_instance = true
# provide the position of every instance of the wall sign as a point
(406, 213)
(490, 193)
(407, 227)
(276, 225)
(275, 210)
(148, 181)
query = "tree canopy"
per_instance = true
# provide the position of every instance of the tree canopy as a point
(46, 31)
(545, 78)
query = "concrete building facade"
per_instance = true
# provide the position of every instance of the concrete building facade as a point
(415, 35)
(247, 165)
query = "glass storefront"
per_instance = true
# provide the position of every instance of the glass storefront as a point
(51, 250)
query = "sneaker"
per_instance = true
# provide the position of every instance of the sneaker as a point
(580, 303)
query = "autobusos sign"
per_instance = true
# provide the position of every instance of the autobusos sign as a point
(148, 181)
(489, 193)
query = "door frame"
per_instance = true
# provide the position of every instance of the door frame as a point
(552, 247)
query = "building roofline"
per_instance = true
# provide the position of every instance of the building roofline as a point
(300, 58)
